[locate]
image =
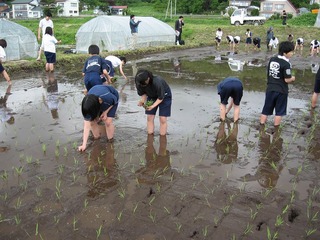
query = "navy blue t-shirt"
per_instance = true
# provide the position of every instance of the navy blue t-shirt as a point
(108, 94)
(94, 63)
(158, 89)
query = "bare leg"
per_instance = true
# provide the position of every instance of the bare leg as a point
(314, 99)
(95, 129)
(150, 124)
(6, 76)
(109, 128)
(277, 120)
(39, 55)
(222, 112)
(236, 113)
(263, 119)
(163, 125)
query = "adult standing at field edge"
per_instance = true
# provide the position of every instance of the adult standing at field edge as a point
(178, 27)
(43, 24)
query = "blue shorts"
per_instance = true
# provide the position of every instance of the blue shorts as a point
(50, 56)
(112, 111)
(1, 68)
(93, 78)
(110, 68)
(248, 41)
(277, 101)
(164, 107)
(232, 89)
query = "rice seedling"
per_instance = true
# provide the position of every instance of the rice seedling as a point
(309, 232)
(166, 209)
(56, 219)
(272, 236)
(42, 178)
(74, 145)
(152, 216)
(315, 217)
(38, 210)
(65, 151)
(58, 191)
(119, 216)
(216, 221)
(4, 197)
(233, 237)
(135, 208)
(248, 229)
(74, 223)
(4, 175)
(279, 221)
(37, 229)
(74, 177)
(151, 200)
(266, 192)
(182, 196)
(19, 170)
(158, 187)
(205, 231)
(286, 208)
(29, 159)
(18, 203)
(57, 153)
(60, 169)
(98, 231)
(75, 161)
(17, 219)
(58, 143)
(44, 148)
(225, 209)
(121, 192)
(253, 214)
(86, 202)
(178, 227)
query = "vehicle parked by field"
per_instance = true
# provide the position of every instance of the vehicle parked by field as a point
(240, 17)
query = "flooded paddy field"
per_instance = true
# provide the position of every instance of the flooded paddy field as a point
(204, 180)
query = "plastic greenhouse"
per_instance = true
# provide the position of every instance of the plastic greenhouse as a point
(113, 33)
(22, 42)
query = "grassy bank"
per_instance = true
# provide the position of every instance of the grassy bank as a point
(198, 31)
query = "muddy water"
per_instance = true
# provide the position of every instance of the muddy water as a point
(51, 190)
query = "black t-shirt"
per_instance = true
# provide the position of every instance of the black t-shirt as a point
(278, 69)
(158, 89)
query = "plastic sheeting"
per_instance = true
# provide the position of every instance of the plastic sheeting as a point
(113, 33)
(21, 42)
(317, 23)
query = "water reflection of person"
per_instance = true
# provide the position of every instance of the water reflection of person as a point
(6, 114)
(227, 145)
(177, 66)
(101, 168)
(269, 168)
(157, 164)
(52, 98)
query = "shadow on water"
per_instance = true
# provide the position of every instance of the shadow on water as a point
(49, 188)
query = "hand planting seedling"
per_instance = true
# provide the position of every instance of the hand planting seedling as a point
(148, 104)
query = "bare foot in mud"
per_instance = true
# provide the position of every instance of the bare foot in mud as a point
(3, 149)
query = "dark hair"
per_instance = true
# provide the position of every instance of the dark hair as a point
(180, 17)
(298, 40)
(93, 49)
(285, 47)
(316, 42)
(132, 16)
(3, 43)
(219, 29)
(90, 107)
(273, 38)
(123, 59)
(48, 31)
(48, 14)
(142, 76)
(248, 29)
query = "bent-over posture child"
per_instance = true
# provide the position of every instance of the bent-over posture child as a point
(117, 62)
(279, 76)
(218, 37)
(256, 43)
(314, 47)
(100, 103)
(230, 87)
(3, 44)
(94, 67)
(299, 45)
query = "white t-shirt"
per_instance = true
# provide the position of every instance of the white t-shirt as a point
(300, 40)
(116, 62)
(236, 39)
(274, 43)
(44, 23)
(230, 39)
(219, 34)
(313, 44)
(49, 43)
(2, 54)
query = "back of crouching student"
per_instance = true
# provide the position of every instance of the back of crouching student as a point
(95, 69)
(3, 44)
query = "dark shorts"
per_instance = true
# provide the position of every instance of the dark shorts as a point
(317, 86)
(51, 57)
(218, 39)
(277, 101)
(232, 89)
(1, 68)
(93, 78)
(110, 68)
(164, 108)
(248, 41)
(236, 41)
(112, 111)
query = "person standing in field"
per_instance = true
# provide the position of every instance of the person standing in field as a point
(218, 38)
(299, 45)
(178, 27)
(316, 90)
(230, 87)
(279, 76)
(270, 35)
(155, 93)
(284, 17)
(134, 31)
(3, 45)
(248, 38)
(43, 24)
(49, 47)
